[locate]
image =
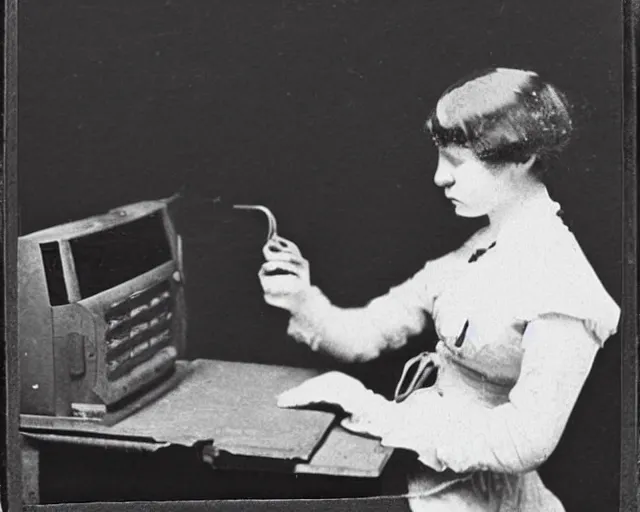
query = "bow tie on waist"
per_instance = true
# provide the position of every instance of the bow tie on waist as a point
(425, 364)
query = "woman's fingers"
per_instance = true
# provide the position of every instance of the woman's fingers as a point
(356, 425)
(327, 388)
(286, 257)
(293, 398)
(272, 250)
(284, 274)
(276, 245)
(287, 245)
(307, 393)
(278, 267)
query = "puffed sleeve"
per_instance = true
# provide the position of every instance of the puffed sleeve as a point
(362, 333)
(558, 278)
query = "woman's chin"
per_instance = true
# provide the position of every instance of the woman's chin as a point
(467, 214)
(461, 211)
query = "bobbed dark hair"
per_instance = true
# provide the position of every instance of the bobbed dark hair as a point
(504, 116)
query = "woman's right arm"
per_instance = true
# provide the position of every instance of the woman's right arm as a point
(349, 334)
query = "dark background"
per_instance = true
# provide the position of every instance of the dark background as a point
(315, 109)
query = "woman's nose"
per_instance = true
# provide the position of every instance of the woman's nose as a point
(443, 176)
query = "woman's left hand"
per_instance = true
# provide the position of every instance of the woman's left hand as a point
(368, 413)
(330, 388)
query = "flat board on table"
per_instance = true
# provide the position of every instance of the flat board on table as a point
(347, 454)
(232, 404)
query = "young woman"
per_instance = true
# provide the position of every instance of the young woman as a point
(519, 312)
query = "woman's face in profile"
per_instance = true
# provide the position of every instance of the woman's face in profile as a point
(474, 188)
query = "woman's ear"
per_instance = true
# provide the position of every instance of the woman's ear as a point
(525, 167)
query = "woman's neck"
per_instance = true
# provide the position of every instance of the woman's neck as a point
(511, 209)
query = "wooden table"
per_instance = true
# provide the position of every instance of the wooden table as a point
(226, 412)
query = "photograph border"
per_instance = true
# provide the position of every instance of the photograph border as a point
(11, 458)
(12, 463)
(630, 462)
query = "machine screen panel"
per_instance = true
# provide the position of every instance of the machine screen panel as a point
(109, 258)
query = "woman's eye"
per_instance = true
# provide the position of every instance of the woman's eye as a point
(455, 163)
(451, 159)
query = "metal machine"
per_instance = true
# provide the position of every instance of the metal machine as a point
(102, 316)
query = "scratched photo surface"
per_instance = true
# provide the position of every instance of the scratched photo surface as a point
(315, 110)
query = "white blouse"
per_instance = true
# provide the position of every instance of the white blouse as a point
(533, 313)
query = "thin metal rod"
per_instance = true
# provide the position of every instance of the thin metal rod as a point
(273, 227)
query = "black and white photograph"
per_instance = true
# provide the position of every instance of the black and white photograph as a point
(322, 255)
